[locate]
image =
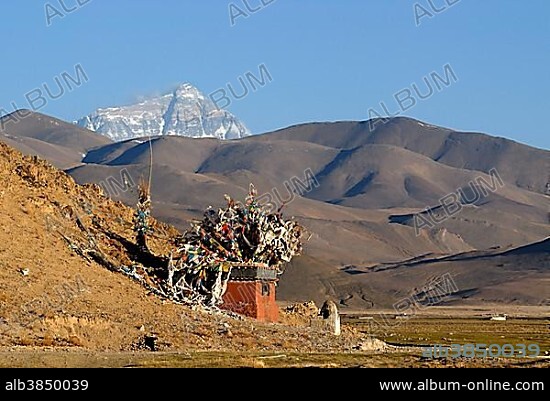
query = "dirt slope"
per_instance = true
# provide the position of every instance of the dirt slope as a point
(51, 294)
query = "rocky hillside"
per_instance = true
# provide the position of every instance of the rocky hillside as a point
(64, 251)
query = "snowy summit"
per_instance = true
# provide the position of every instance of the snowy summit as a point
(184, 112)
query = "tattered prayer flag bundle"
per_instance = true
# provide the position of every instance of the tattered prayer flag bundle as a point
(239, 234)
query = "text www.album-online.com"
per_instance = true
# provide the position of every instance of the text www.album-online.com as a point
(483, 385)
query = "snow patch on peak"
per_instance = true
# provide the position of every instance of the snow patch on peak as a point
(184, 112)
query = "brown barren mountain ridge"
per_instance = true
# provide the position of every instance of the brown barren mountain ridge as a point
(372, 178)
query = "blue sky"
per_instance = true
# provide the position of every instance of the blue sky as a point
(329, 60)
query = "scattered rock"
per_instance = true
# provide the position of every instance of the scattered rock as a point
(372, 345)
(299, 314)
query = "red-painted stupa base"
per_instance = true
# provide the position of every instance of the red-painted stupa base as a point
(255, 298)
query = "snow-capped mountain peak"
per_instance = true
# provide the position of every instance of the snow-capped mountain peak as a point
(186, 111)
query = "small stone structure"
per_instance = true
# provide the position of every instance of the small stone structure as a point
(328, 319)
(251, 292)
